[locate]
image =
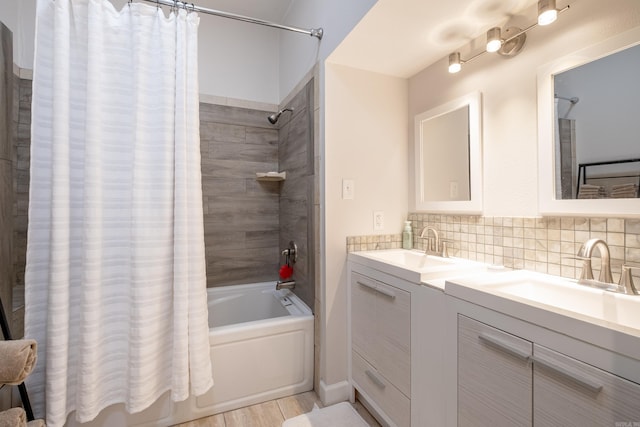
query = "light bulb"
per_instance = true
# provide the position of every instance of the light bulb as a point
(547, 12)
(494, 40)
(455, 64)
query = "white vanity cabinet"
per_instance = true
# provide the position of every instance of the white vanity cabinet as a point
(381, 345)
(505, 379)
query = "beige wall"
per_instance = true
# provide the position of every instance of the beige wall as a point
(365, 140)
(508, 89)
(361, 141)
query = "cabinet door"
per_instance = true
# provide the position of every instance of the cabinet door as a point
(494, 376)
(568, 392)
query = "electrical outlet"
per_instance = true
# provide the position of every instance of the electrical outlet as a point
(378, 220)
(348, 189)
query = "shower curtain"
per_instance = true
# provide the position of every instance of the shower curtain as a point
(115, 276)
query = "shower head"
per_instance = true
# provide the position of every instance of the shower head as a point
(273, 118)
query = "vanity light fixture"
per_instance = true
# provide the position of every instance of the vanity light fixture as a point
(514, 39)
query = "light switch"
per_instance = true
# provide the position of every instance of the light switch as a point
(348, 189)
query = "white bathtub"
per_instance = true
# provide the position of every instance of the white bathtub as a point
(261, 346)
(261, 349)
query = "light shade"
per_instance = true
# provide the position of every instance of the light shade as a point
(547, 12)
(494, 40)
(455, 64)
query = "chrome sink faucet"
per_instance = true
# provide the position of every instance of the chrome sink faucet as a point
(585, 252)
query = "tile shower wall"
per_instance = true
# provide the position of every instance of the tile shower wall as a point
(22, 129)
(6, 168)
(241, 215)
(542, 244)
(6, 185)
(296, 158)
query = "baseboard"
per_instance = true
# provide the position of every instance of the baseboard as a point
(334, 393)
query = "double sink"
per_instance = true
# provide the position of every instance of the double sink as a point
(512, 291)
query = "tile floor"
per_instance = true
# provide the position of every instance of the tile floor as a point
(271, 414)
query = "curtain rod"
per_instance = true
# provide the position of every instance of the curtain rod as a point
(313, 32)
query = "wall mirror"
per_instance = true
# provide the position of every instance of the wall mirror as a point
(589, 132)
(448, 153)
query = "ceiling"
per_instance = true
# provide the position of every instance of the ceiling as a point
(402, 37)
(269, 10)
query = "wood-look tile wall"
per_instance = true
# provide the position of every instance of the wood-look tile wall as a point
(6, 185)
(6, 168)
(296, 157)
(22, 154)
(241, 215)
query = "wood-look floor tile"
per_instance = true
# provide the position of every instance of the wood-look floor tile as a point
(262, 415)
(298, 404)
(212, 421)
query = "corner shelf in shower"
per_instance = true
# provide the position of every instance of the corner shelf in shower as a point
(271, 176)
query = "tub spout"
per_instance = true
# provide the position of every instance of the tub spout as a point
(287, 284)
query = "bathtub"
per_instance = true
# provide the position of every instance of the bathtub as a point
(261, 346)
(261, 342)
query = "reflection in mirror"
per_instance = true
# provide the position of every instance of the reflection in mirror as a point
(448, 161)
(602, 127)
(597, 136)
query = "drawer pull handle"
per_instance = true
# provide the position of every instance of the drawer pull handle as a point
(504, 346)
(374, 378)
(583, 380)
(382, 291)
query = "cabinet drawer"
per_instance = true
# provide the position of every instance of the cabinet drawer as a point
(371, 382)
(568, 392)
(381, 319)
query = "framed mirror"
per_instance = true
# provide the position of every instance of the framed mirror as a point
(448, 153)
(589, 132)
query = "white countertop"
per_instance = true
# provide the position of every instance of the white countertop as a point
(553, 302)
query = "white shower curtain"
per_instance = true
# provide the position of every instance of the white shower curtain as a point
(115, 276)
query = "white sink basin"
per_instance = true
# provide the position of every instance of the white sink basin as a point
(557, 294)
(414, 266)
(409, 259)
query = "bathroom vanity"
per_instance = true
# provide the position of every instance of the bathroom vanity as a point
(515, 358)
(463, 346)
(396, 338)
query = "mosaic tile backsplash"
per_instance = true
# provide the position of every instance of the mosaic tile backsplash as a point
(544, 245)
